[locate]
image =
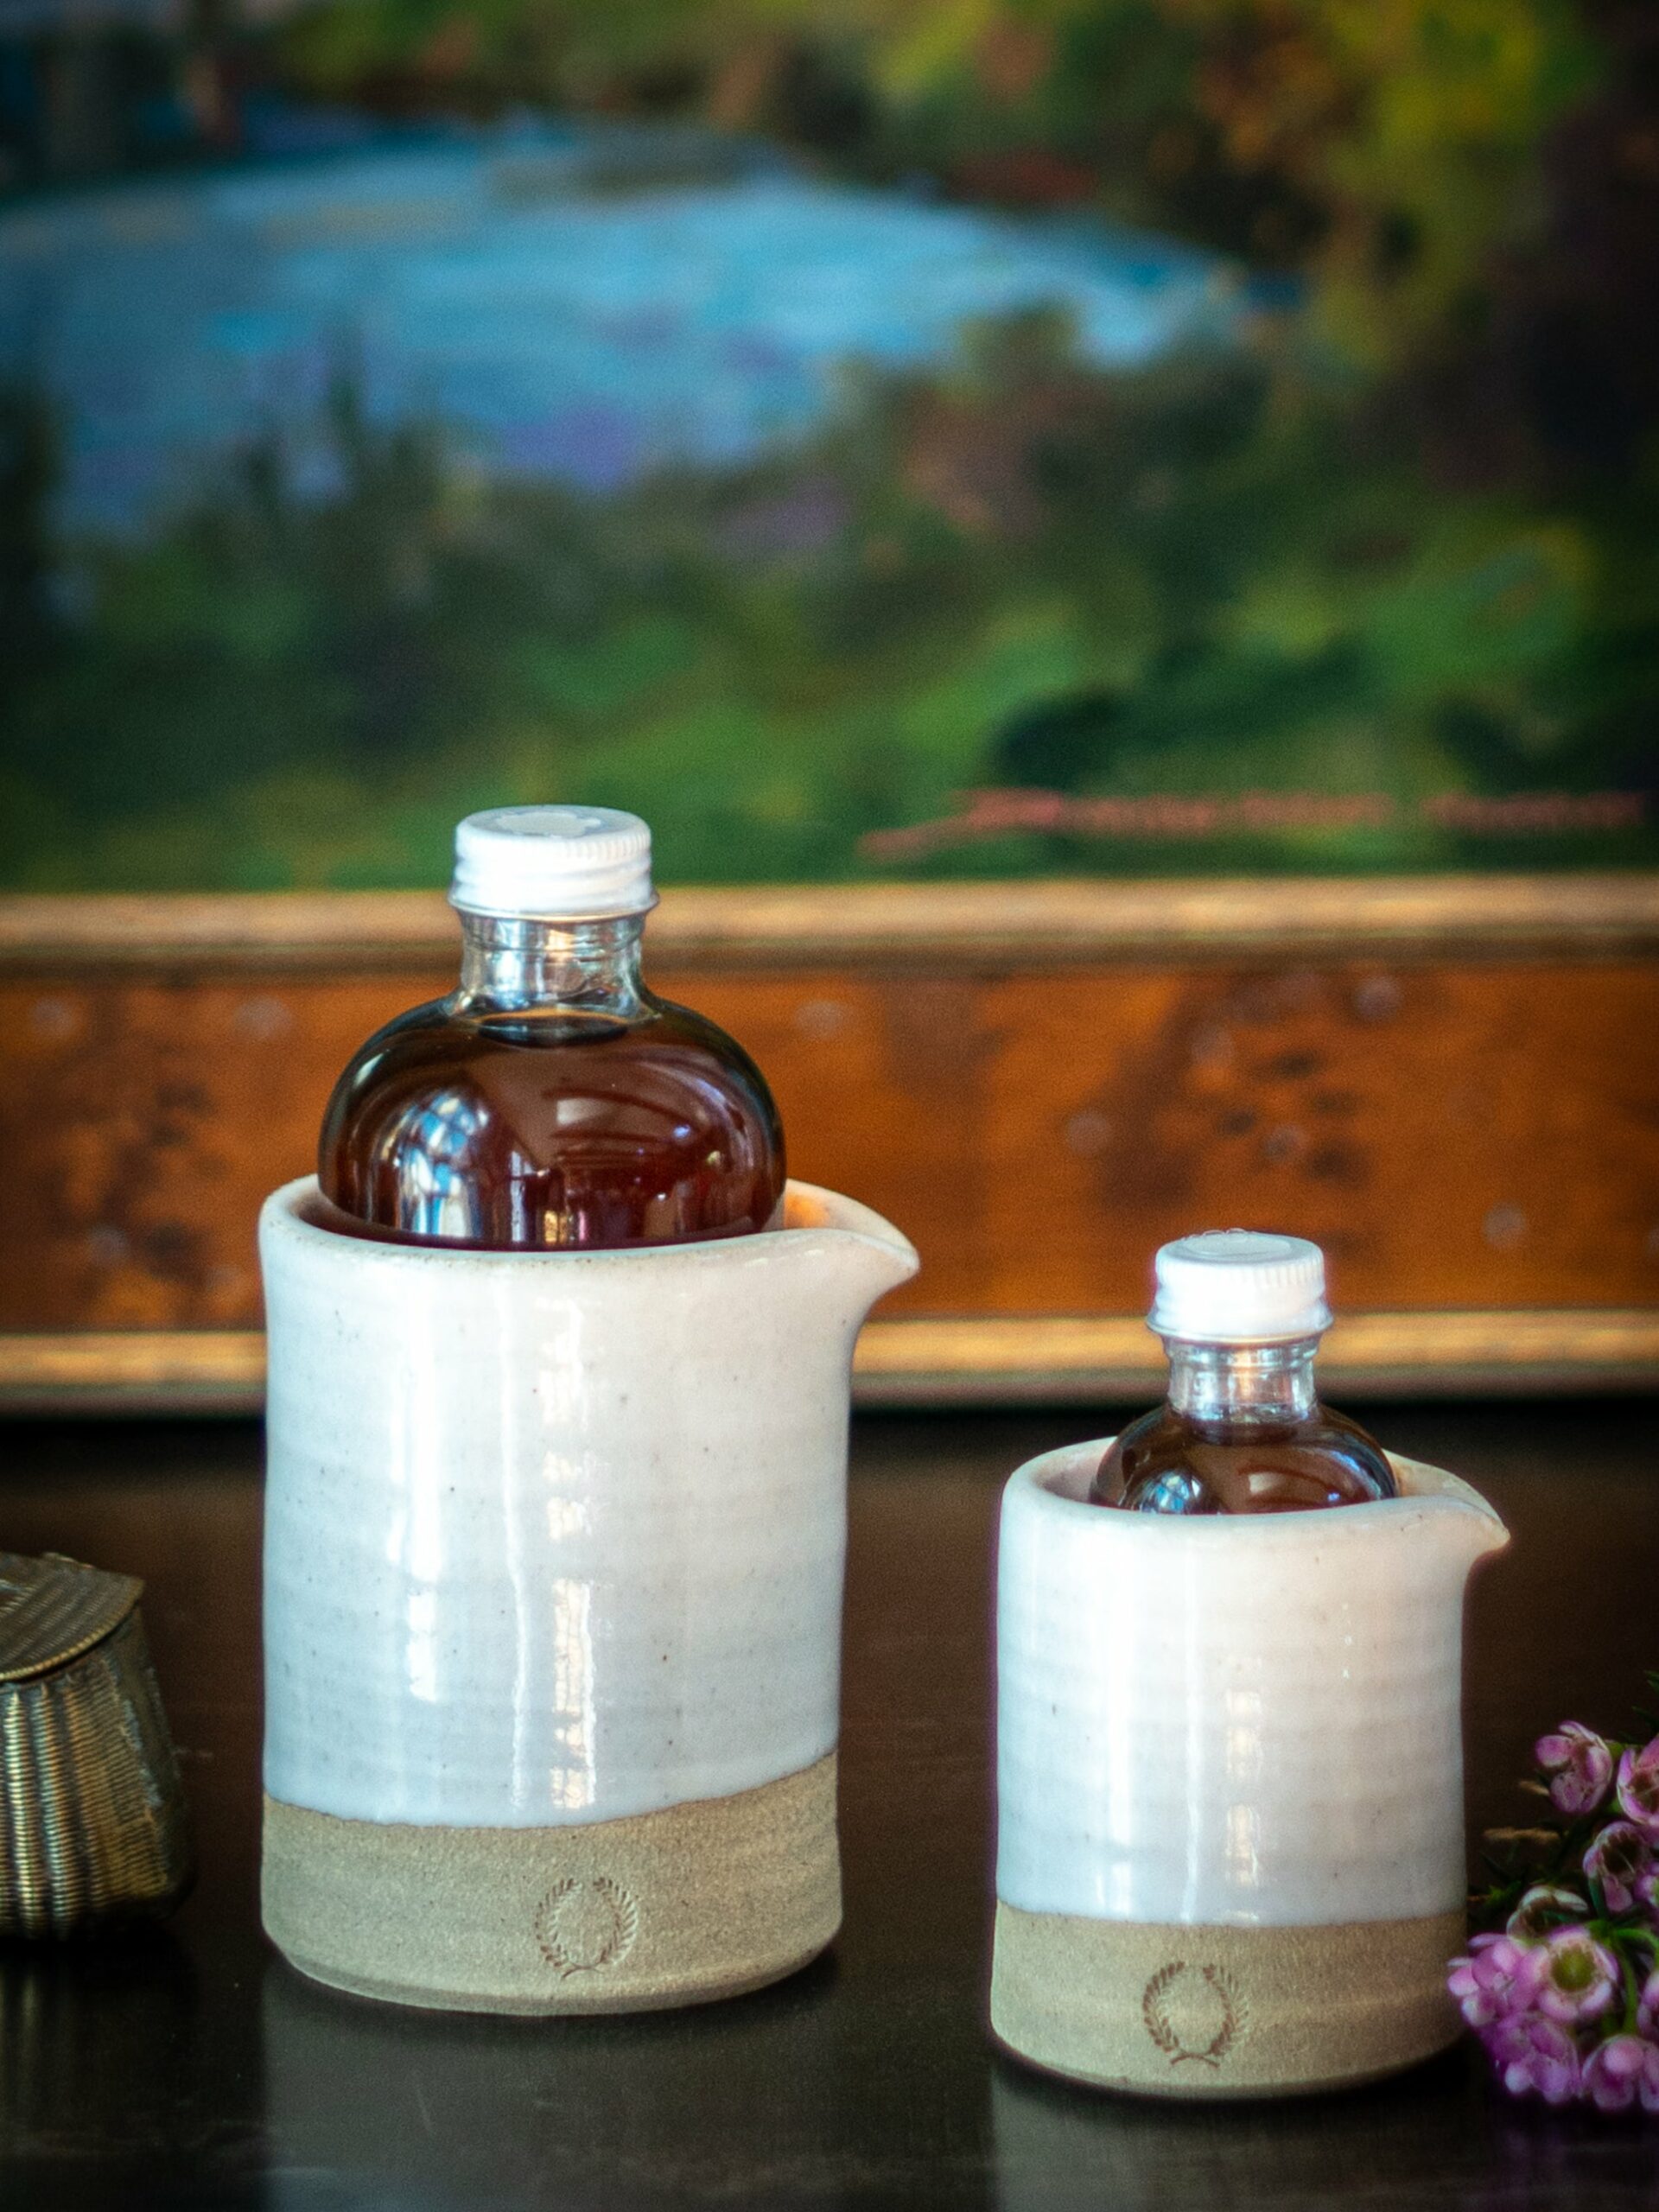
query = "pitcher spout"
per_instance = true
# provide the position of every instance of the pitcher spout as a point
(1480, 1531)
(848, 1256)
(1472, 1529)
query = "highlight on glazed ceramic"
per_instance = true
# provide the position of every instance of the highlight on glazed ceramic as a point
(556, 1541)
(1234, 1728)
(1254, 1722)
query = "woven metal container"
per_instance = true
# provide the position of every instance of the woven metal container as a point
(92, 1813)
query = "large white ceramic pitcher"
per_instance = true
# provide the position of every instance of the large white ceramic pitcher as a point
(1230, 1783)
(554, 1547)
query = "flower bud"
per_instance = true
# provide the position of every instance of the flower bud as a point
(1578, 1764)
(1619, 2070)
(1621, 1860)
(1638, 1788)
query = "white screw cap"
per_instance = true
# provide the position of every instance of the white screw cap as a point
(553, 863)
(1239, 1285)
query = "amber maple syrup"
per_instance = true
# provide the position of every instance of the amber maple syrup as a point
(551, 1101)
(1243, 1430)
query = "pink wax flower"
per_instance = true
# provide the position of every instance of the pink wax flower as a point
(1535, 2057)
(1619, 2071)
(1638, 1788)
(1621, 1860)
(1565, 2000)
(1499, 1977)
(1579, 1979)
(1579, 1765)
(1543, 1908)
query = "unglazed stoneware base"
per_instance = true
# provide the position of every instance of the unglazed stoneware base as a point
(679, 1907)
(1180, 2011)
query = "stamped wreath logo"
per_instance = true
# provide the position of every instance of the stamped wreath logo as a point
(585, 1926)
(1193, 2011)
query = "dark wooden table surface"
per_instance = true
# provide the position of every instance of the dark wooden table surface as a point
(196, 2070)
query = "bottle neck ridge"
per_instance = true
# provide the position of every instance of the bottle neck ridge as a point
(1234, 1385)
(510, 962)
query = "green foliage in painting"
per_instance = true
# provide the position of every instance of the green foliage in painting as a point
(1021, 575)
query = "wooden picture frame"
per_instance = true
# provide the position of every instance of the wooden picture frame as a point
(1453, 1081)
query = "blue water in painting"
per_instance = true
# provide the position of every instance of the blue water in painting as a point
(583, 303)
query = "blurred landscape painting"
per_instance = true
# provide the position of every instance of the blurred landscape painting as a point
(896, 439)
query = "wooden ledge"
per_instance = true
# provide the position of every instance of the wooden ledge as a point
(879, 925)
(1030, 1358)
(949, 1360)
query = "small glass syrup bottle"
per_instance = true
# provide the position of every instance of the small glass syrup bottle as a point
(1241, 1313)
(550, 1102)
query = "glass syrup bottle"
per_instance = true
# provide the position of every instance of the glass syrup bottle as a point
(1243, 1430)
(550, 1102)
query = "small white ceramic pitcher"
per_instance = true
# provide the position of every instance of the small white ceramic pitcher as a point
(554, 1546)
(1229, 1785)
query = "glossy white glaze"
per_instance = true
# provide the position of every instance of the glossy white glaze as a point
(1225, 1720)
(557, 1537)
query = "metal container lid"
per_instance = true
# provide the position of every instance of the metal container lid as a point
(54, 1609)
